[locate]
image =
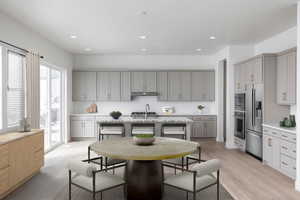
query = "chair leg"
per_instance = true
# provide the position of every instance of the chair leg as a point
(70, 185)
(218, 185)
(187, 195)
(100, 195)
(194, 195)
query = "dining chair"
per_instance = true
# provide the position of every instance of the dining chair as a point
(174, 130)
(200, 177)
(144, 128)
(185, 161)
(86, 176)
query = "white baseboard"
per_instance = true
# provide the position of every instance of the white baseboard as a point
(230, 145)
(297, 185)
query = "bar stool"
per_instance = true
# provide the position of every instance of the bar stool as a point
(174, 130)
(145, 128)
(110, 129)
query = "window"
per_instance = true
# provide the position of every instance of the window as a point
(15, 89)
(12, 88)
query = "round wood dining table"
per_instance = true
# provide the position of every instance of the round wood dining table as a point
(144, 170)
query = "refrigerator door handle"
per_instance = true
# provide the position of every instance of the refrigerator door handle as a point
(254, 108)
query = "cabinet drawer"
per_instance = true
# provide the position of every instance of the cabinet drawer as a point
(288, 148)
(204, 118)
(38, 142)
(4, 180)
(82, 118)
(287, 136)
(3, 156)
(288, 166)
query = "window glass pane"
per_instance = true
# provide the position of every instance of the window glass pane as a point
(15, 89)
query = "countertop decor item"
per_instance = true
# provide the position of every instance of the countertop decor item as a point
(200, 108)
(144, 139)
(288, 122)
(115, 114)
(168, 110)
(92, 108)
(25, 125)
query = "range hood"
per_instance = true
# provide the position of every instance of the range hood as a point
(135, 94)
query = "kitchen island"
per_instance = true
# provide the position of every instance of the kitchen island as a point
(157, 121)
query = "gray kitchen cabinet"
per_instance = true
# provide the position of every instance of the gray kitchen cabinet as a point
(179, 86)
(84, 86)
(143, 81)
(203, 86)
(240, 72)
(162, 86)
(254, 70)
(204, 127)
(82, 127)
(108, 86)
(271, 155)
(125, 86)
(286, 78)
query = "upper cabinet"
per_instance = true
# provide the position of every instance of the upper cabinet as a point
(286, 78)
(203, 86)
(179, 86)
(143, 81)
(125, 86)
(162, 86)
(108, 86)
(84, 86)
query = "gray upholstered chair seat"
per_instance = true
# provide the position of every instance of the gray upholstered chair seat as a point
(185, 181)
(104, 181)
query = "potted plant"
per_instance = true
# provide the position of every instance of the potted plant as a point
(200, 108)
(115, 114)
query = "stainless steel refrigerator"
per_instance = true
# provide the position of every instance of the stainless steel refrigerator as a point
(254, 116)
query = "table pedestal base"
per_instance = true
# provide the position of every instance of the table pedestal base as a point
(144, 180)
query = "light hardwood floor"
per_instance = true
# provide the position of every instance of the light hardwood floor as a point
(246, 178)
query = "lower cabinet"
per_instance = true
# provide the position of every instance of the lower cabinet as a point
(19, 160)
(279, 151)
(204, 127)
(83, 127)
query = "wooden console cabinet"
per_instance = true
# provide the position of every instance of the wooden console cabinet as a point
(21, 156)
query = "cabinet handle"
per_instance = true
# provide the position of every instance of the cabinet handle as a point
(270, 142)
(294, 151)
(284, 136)
(274, 133)
(284, 163)
(284, 147)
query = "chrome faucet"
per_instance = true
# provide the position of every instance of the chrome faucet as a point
(147, 109)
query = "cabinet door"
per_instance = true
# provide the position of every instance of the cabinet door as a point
(89, 128)
(210, 129)
(137, 81)
(257, 70)
(291, 74)
(125, 86)
(197, 130)
(268, 150)
(78, 86)
(114, 86)
(103, 91)
(162, 86)
(149, 81)
(282, 79)
(174, 86)
(76, 128)
(185, 78)
(211, 83)
(90, 82)
(200, 86)
(237, 78)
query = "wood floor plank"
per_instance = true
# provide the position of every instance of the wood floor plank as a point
(246, 178)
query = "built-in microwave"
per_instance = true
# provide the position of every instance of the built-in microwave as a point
(240, 101)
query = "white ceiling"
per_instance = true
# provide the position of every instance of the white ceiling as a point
(171, 26)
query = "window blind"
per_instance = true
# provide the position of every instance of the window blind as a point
(15, 89)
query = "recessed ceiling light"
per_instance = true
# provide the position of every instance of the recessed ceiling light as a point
(199, 49)
(212, 37)
(143, 49)
(73, 36)
(143, 37)
(143, 12)
(88, 49)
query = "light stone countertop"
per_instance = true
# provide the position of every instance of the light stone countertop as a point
(9, 137)
(278, 127)
(142, 120)
(160, 115)
(163, 148)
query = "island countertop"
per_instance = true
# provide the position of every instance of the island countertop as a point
(142, 120)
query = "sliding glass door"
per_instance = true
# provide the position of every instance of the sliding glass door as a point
(51, 86)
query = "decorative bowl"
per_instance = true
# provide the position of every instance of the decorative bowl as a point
(144, 140)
